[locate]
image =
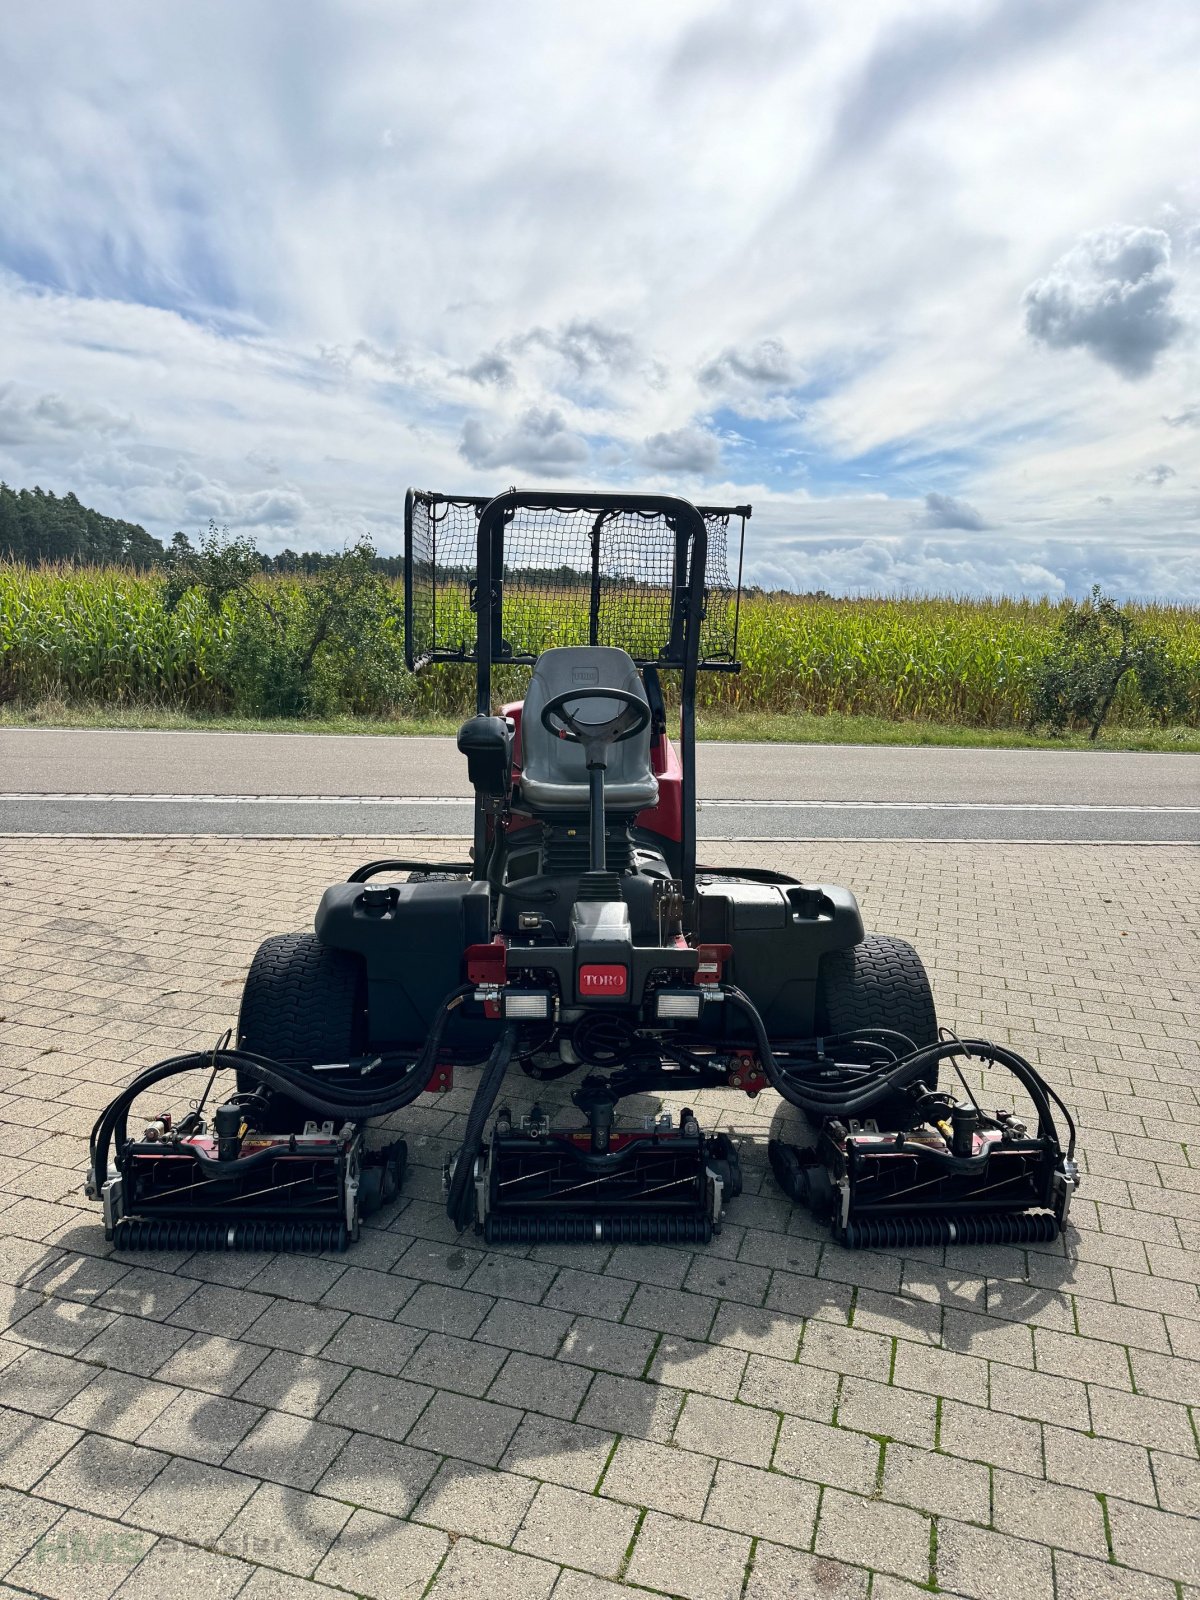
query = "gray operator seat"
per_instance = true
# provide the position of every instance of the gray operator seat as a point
(554, 773)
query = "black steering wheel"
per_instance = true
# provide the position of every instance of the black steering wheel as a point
(631, 720)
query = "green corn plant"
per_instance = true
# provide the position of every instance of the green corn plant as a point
(113, 635)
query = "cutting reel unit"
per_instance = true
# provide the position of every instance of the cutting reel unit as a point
(942, 1171)
(665, 1182)
(230, 1180)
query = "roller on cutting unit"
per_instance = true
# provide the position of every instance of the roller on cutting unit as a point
(582, 938)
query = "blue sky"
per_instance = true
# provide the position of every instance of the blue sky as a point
(920, 281)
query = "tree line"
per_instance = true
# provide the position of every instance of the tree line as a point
(38, 526)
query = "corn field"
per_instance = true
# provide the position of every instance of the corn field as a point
(104, 635)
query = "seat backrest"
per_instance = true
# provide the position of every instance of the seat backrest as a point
(547, 759)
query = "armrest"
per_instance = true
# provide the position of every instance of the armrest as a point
(487, 743)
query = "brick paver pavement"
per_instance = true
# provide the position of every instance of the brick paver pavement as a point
(769, 1417)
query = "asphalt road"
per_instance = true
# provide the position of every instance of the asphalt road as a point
(84, 782)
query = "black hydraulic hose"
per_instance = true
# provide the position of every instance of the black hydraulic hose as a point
(459, 1206)
(813, 1099)
(822, 1103)
(328, 1100)
(547, 1074)
(399, 864)
(887, 1037)
(111, 1126)
(848, 1068)
(1031, 1080)
(360, 1103)
(1035, 1085)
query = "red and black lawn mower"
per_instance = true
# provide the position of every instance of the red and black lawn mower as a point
(583, 938)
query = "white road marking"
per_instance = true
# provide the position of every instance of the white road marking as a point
(252, 799)
(427, 839)
(704, 805)
(947, 805)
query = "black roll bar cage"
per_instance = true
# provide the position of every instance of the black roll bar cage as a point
(686, 619)
(605, 505)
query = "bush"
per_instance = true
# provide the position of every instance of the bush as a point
(311, 647)
(1097, 646)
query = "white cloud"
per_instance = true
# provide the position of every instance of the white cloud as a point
(263, 461)
(267, 508)
(492, 367)
(26, 418)
(584, 344)
(682, 450)
(944, 511)
(336, 276)
(918, 58)
(766, 365)
(1111, 295)
(734, 40)
(538, 441)
(867, 544)
(1156, 475)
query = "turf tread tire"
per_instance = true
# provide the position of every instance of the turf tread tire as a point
(303, 1001)
(880, 983)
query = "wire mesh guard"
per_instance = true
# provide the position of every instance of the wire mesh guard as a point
(572, 575)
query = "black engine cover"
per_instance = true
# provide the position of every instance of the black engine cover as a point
(778, 934)
(413, 944)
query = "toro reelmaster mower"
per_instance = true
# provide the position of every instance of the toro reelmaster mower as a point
(583, 938)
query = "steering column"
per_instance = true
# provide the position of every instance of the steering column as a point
(597, 738)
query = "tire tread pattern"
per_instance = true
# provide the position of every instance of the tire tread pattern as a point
(880, 983)
(303, 1001)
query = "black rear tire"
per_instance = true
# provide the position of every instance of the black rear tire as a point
(880, 983)
(303, 1003)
